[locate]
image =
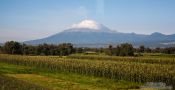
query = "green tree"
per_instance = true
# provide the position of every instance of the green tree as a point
(29, 50)
(142, 49)
(1, 49)
(79, 50)
(148, 50)
(121, 50)
(110, 50)
(126, 50)
(117, 51)
(13, 47)
(66, 49)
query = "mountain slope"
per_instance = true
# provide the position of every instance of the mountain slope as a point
(90, 32)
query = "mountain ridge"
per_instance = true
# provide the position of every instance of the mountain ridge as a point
(91, 32)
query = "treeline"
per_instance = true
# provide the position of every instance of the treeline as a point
(128, 50)
(168, 50)
(65, 49)
(13, 47)
(121, 50)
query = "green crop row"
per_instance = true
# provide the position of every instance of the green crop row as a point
(135, 72)
(150, 60)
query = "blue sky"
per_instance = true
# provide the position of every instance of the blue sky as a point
(32, 19)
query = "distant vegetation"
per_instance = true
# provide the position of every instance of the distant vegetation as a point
(65, 49)
(13, 47)
(65, 67)
(121, 50)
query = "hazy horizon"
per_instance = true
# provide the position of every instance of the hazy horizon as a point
(23, 20)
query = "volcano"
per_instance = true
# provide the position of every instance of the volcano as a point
(90, 33)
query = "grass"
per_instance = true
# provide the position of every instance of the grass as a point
(62, 80)
(53, 83)
(10, 83)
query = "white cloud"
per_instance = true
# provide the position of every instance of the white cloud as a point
(87, 24)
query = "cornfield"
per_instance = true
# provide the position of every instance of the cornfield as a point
(130, 71)
(150, 60)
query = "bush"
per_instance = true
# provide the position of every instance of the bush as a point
(121, 50)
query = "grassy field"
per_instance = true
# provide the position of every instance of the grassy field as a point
(85, 72)
(56, 80)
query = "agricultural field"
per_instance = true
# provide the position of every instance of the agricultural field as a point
(87, 72)
(87, 45)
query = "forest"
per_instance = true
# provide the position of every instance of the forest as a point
(64, 49)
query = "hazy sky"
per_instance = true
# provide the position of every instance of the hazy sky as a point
(32, 19)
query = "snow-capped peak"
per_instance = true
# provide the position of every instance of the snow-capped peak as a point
(90, 24)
